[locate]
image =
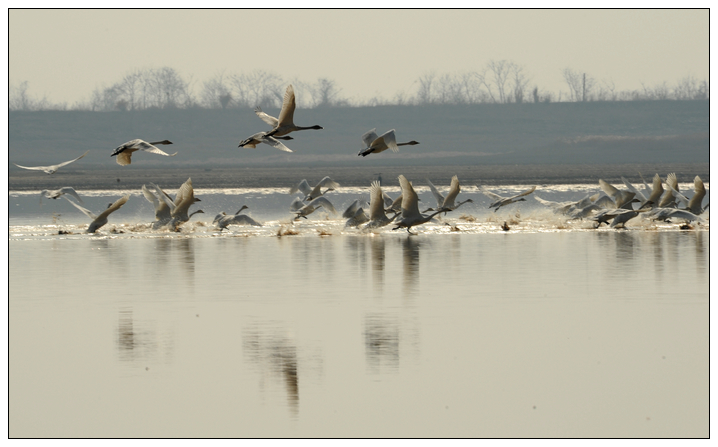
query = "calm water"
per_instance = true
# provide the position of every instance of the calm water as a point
(552, 329)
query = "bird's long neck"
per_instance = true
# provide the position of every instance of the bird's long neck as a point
(409, 143)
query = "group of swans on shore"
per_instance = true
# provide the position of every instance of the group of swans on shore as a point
(615, 206)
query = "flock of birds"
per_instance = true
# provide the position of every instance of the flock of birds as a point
(613, 206)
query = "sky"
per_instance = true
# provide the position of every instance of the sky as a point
(66, 54)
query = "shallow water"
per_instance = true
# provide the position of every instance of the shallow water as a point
(552, 329)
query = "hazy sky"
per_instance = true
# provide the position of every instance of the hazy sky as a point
(66, 54)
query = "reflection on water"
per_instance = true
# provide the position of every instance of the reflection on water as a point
(142, 341)
(275, 356)
(410, 249)
(383, 335)
(381, 343)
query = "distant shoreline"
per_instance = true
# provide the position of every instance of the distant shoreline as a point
(259, 177)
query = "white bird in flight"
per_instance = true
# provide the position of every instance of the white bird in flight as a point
(180, 206)
(375, 144)
(101, 219)
(223, 219)
(162, 210)
(377, 214)
(50, 169)
(124, 152)
(410, 215)
(446, 204)
(309, 208)
(499, 201)
(312, 193)
(285, 123)
(59, 192)
(261, 137)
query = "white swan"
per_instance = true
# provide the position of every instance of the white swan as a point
(694, 204)
(446, 204)
(285, 123)
(569, 206)
(309, 208)
(377, 214)
(670, 214)
(59, 192)
(623, 199)
(499, 201)
(668, 200)
(410, 215)
(261, 137)
(101, 219)
(180, 206)
(653, 194)
(312, 193)
(162, 210)
(619, 215)
(223, 219)
(355, 214)
(50, 169)
(375, 144)
(124, 152)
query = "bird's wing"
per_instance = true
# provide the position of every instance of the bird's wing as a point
(150, 196)
(550, 204)
(147, 147)
(351, 209)
(679, 196)
(70, 161)
(185, 196)
(243, 219)
(437, 195)
(303, 186)
(524, 193)
(377, 203)
(124, 158)
(327, 182)
(296, 205)
(324, 203)
(70, 190)
(369, 137)
(275, 144)
(286, 115)
(633, 189)
(489, 194)
(87, 212)
(695, 203)
(454, 191)
(657, 191)
(114, 207)
(608, 188)
(34, 168)
(390, 140)
(272, 121)
(672, 180)
(166, 198)
(410, 202)
(387, 200)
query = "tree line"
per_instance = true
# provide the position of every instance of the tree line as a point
(498, 82)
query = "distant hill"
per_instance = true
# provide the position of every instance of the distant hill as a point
(545, 133)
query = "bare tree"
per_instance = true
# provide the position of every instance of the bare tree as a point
(424, 96)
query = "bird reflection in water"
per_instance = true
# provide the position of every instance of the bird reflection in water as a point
(381, 343)
(136, 342)
(275, 355)
(410, 253)
(378, 260)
